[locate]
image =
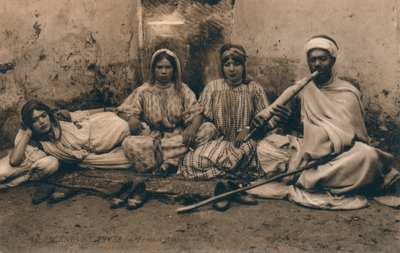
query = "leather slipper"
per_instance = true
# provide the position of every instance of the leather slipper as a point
(42, 193)
(61, 195)
(223, 204)
(241, 197)
(119, 199)
(137, 197)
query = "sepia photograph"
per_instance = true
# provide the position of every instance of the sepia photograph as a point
(199, 126)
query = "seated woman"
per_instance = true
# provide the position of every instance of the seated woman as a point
(230, 104)
(164, 117)
(90, 140)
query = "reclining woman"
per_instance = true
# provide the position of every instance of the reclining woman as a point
(164, 117)
(91, 140)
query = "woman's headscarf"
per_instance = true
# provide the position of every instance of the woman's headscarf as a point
(27, 120)
(236, 53)
(173, 58)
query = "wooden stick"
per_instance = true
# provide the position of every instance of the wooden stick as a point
(226, 194)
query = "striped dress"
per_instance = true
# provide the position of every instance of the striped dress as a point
(229, 109)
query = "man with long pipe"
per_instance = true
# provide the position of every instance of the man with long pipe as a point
(332, 116)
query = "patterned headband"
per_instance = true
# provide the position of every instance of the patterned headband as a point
(233, 51)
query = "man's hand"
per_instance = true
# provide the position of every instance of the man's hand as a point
(189, 137)
(258, 121)
(241, 136)
(281, 114)
(135, 125)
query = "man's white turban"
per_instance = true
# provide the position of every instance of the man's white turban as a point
(322, 43)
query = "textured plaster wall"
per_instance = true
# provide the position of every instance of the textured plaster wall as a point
(91, 53)
(274, 33)
(74, 54)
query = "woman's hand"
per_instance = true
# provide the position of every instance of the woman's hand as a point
(17, 155)
(63, 115)
(241, 136)
(28, 133)
(189, 137)
(190, 133)
(135, 125)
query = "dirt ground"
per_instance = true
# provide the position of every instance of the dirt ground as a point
(87, 224)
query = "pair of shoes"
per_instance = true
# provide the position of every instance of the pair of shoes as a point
(61, 195)
(120, 197)
(223, 204)
(133, 196)
(137, 197)
(42, 193)
(241, 197)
